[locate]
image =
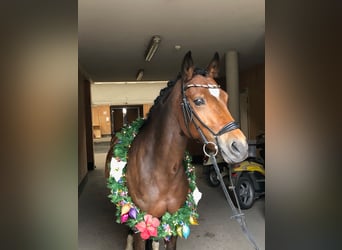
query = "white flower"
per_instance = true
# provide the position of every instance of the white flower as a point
(197, 195)
(116, 168)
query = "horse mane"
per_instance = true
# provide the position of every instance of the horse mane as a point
(165, 91)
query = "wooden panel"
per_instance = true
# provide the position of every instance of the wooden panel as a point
(95, 116)
(146, 109)
(97, 131)
(104, 118)
(254, 81)
(101, 117)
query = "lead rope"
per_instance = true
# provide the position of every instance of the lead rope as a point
(237, 214)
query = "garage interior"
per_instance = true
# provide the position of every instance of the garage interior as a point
(115, 77)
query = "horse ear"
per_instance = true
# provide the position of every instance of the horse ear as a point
(187, 67)
(213, 67)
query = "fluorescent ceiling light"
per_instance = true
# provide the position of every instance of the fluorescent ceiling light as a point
(152, 48)
(131, 82)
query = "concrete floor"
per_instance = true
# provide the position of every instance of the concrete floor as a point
(97, 229)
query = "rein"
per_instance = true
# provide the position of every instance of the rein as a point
(237, 213)
(189, 114)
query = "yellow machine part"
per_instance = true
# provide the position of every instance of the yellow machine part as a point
(250, 166)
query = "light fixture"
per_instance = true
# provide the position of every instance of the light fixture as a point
(130, 82)
(152, 48)
(140, 74)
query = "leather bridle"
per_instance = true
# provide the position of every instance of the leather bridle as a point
(191, 116)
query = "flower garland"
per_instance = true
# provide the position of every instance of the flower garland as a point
(127, 212)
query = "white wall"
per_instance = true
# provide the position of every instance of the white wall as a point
(121, 94)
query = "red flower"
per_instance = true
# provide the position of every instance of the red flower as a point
(148, 227)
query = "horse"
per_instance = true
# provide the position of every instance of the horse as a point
(192, 107)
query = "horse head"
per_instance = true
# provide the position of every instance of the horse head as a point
(205, 112)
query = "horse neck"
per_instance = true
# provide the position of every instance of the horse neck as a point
(165, 132)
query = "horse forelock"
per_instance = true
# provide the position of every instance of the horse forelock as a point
(200, 71)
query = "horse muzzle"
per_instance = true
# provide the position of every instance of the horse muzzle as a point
(233, 146)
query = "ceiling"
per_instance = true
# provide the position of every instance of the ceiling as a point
(114, 35)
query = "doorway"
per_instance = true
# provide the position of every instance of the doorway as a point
(122, 115)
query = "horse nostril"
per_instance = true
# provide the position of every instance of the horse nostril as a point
(235, 147)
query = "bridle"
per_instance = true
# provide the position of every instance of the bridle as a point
(191, 116)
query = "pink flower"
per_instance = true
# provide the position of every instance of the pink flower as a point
(148, 227)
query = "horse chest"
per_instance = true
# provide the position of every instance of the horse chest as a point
(159, 194)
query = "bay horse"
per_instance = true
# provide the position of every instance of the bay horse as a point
(191, 107)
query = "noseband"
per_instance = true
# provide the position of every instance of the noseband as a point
(189, 115)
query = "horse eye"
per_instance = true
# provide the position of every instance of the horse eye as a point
(199, 101)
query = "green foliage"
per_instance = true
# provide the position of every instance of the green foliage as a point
(169, 223)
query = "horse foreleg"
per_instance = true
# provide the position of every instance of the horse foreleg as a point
(138, 242)
(172, 243)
